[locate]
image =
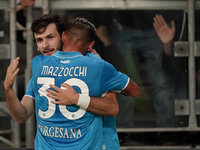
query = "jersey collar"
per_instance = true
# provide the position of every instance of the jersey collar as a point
(61, 54)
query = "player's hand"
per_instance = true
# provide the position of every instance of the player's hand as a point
(163, 31)
(65, 96)
(11, 73)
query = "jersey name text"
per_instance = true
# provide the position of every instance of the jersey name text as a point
(61, 71)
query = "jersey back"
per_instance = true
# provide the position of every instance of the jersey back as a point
(71, 127)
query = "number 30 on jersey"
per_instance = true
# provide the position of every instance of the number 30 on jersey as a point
(46, 81)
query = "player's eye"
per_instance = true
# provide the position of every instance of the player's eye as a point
(38, 40)
(50, 37)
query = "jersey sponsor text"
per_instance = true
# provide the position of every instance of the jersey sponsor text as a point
(59, 132)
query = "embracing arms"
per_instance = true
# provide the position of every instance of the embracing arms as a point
(107, 105)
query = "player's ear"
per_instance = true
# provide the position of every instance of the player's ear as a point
(91, 45)
(63, 36)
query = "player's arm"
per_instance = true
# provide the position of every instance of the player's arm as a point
(20, 111)
(131, 89)
(107, 105)
(115, 80)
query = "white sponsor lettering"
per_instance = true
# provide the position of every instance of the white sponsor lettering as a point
(59, 132)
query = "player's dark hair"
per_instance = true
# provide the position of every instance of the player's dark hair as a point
(82, 29)
(47, 19)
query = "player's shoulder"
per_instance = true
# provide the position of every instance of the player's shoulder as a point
(40, 58)
(96, 61)
(37, 57)
(93, 56)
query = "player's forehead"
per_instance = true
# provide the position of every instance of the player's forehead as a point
(50, 30)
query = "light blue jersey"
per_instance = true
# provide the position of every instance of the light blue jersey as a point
(110, 136)
(29, 90)
(60, 127)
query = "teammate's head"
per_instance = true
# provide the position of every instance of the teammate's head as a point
(47, 31)
(80, 33)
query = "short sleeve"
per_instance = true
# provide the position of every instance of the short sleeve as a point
(112, 79)
(29, 90)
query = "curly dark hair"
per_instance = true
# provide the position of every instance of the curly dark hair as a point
(45, 20)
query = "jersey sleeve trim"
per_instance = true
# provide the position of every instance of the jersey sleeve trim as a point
(103, 94)
(124, 86)
(30, 96)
